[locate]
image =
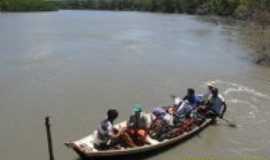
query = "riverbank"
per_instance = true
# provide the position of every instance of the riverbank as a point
(251, 33)
(258, 39)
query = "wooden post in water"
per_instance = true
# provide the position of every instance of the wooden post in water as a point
(49, 137)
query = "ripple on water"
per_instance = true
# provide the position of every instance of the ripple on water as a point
(234, 87)
(247, 108)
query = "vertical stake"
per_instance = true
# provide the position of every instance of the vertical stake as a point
(49, 137)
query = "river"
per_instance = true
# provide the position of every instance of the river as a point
(74, 65)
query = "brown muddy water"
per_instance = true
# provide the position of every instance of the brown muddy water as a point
(74, 65)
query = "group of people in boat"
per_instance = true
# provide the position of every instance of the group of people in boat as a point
(163, 122)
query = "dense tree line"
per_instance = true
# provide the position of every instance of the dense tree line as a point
(27, 5)
(237, 8)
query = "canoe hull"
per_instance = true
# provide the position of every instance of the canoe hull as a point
(144, 149)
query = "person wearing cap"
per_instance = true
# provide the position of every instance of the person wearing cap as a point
(211, 85)
(137, 126)
(216, 104)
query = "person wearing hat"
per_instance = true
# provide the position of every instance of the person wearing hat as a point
(211, 85)
(216, 104)
(138, 125)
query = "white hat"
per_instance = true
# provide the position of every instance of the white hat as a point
(177, 100)
(211, 84)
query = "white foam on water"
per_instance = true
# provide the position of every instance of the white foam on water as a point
(253, 113)
(230, 87)
(254, 109)
(238, 101)
(253, 116)
(234, 87)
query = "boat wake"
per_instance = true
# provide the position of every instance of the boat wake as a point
(234, 87)
(245, 100)
(249, 109)
(238, 101)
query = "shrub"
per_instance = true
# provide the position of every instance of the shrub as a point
(27, 5)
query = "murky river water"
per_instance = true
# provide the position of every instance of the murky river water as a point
(74, 65)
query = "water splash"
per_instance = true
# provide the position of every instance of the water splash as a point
(252, 102)
(234, 87)
(237, 101)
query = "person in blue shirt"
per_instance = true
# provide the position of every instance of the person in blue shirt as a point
(189, 103)
(216, 104)
(192, 98)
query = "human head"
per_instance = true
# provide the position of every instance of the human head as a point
(137, 108)
(112, 114)
(190, 92)
(211, 85)
(159, 112)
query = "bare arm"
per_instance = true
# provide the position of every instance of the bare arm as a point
(224, 110)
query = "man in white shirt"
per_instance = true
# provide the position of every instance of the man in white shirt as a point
(210, 86)
(106, 133)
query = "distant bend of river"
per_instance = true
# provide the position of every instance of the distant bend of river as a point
(74, 65)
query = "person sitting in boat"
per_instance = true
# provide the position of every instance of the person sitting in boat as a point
(161, 113)
(138, 125)
(216, 104)
(162, 123)
(210, 87)
(192, 98)
(107, 135)
(189, 103)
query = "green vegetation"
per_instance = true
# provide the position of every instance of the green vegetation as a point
(237, 8)
(27, 5)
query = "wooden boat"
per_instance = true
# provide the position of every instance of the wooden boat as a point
(85, 148)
